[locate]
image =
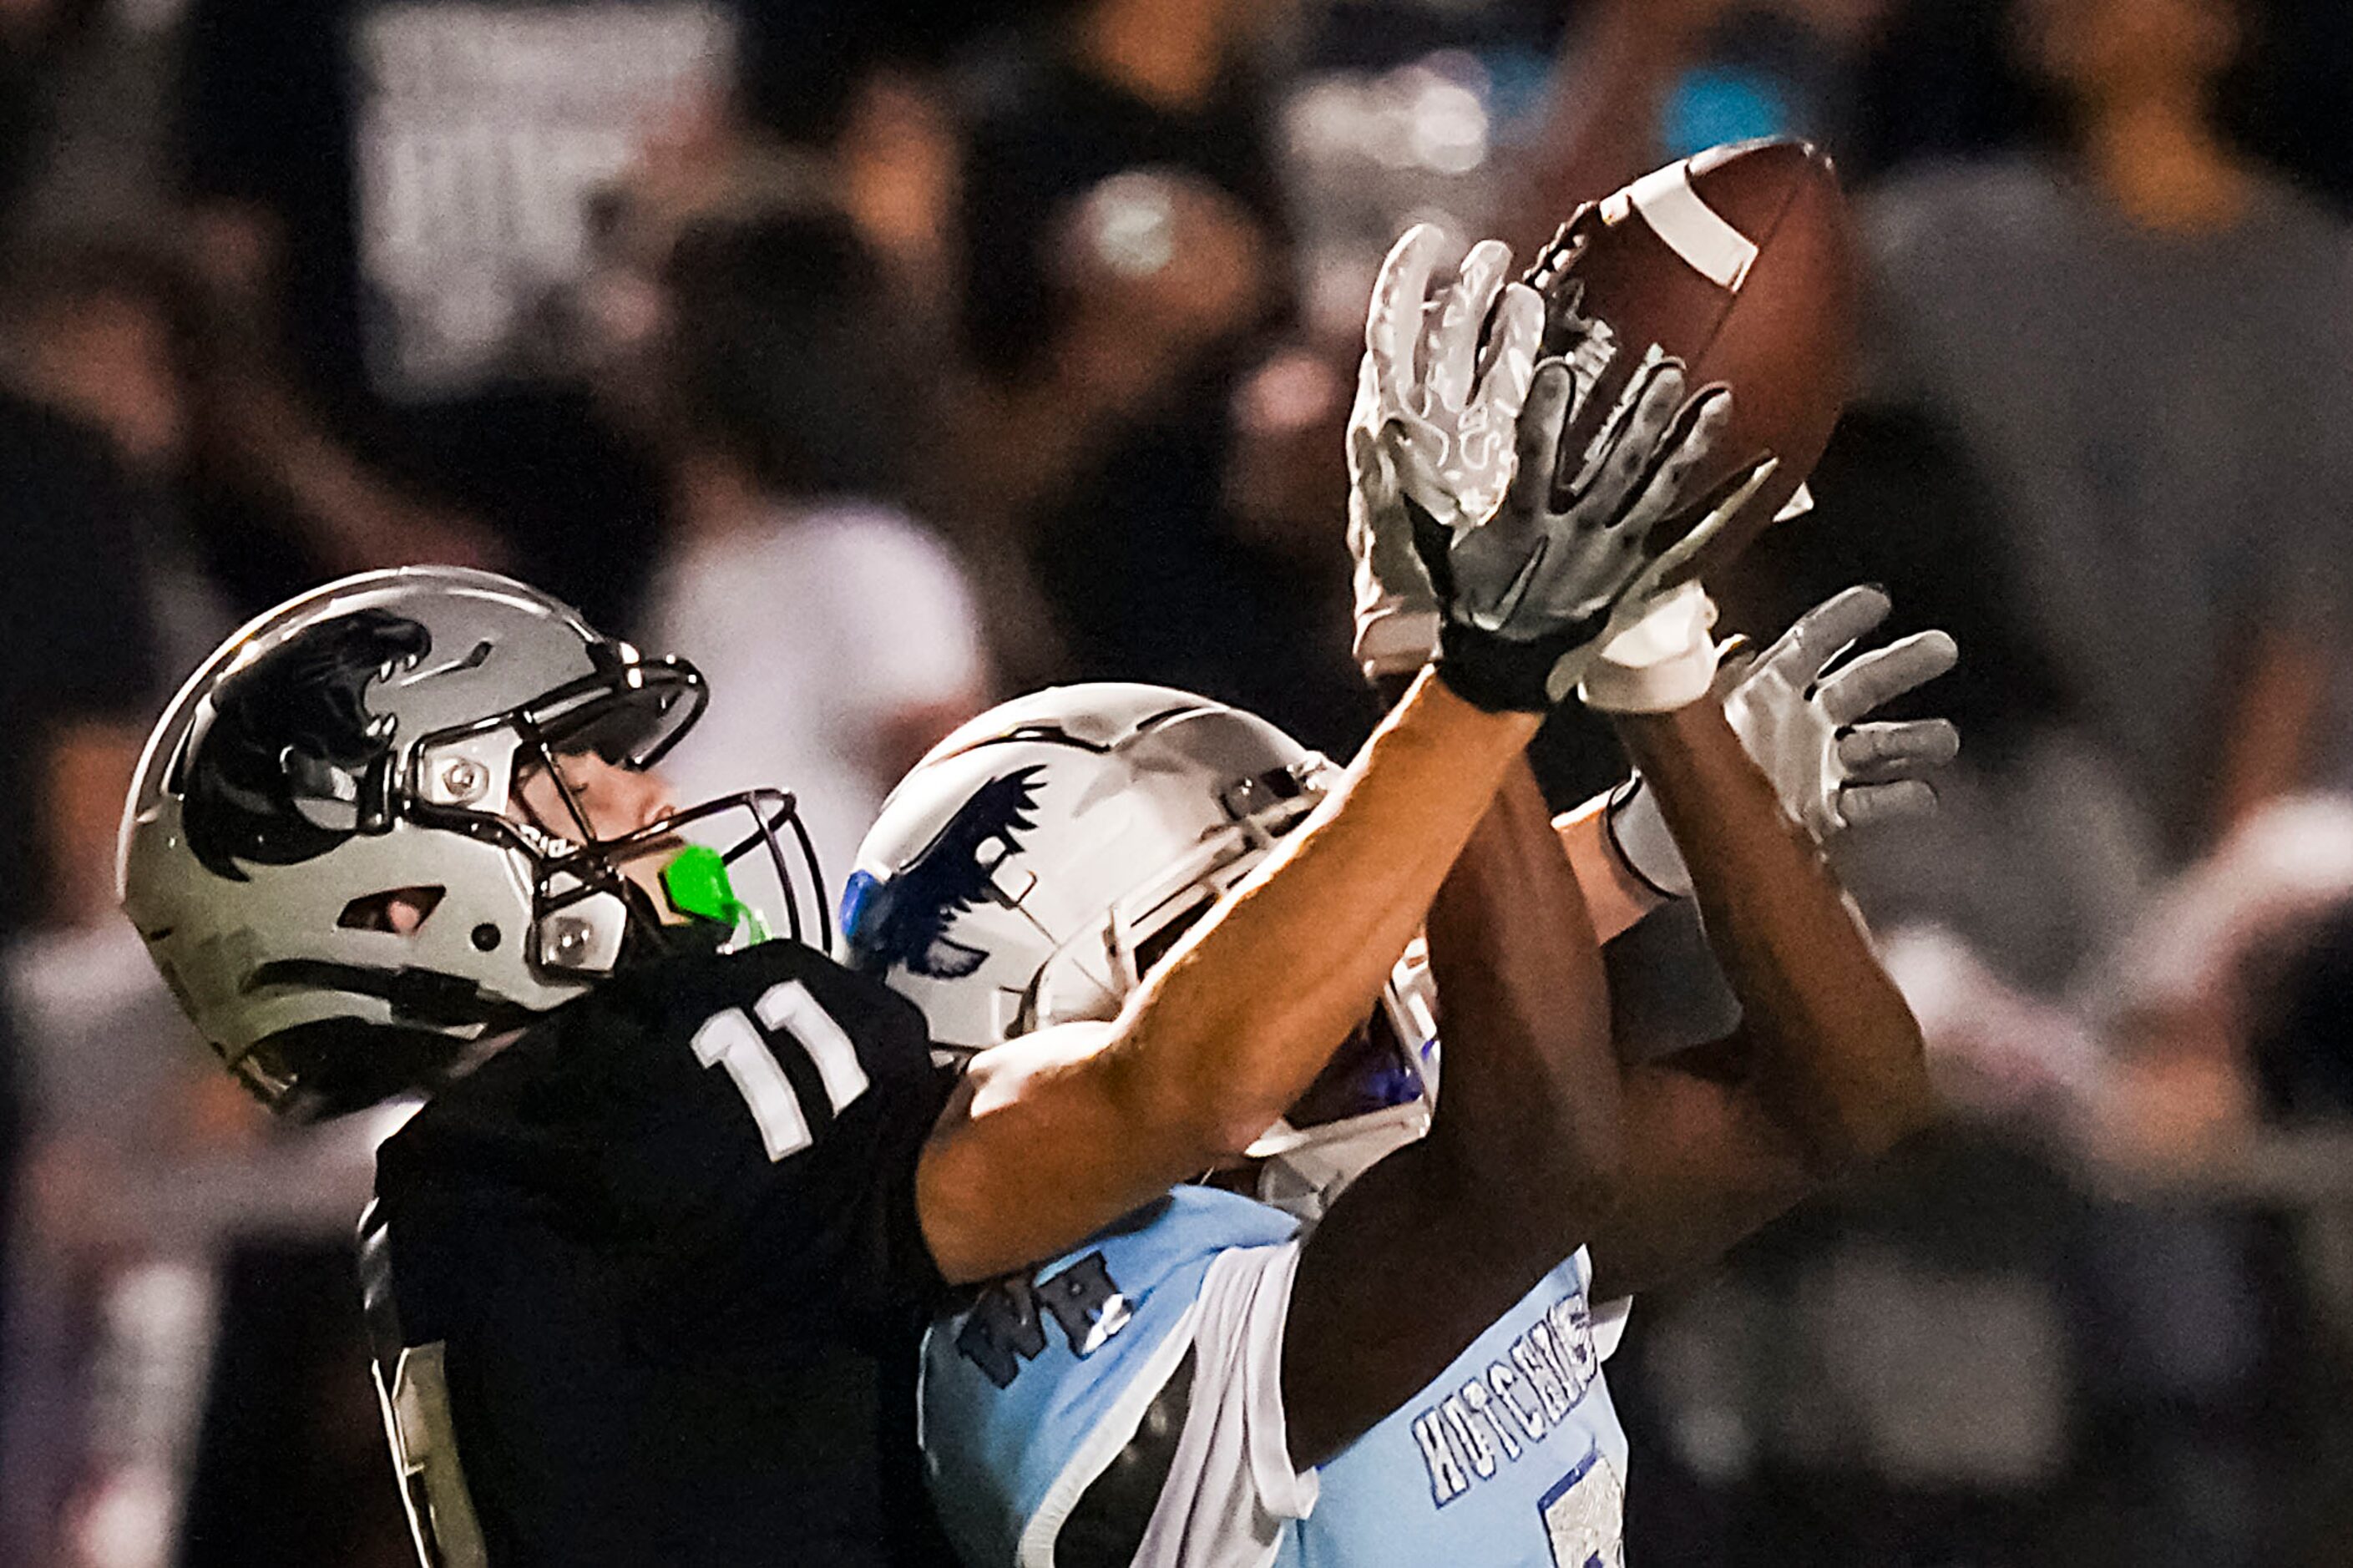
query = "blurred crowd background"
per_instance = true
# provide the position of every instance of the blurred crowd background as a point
(885, 361)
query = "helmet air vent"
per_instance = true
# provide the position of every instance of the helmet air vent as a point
(398, 911)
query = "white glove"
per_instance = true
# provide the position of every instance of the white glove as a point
(1433, 419)
(1528, 598)
(1803, 728)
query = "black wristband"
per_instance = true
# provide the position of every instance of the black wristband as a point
(1503, 676)
(1487, 670)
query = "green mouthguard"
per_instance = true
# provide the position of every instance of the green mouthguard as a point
(697, 882)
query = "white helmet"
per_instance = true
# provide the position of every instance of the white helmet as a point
(1038, 861)
(359, 742)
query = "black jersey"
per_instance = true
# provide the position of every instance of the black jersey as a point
(645, 1286)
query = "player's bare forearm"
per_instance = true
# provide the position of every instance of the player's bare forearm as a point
(1827, 1070)
(1830, 1036)
(1530, 1115)
(1258, 996)
(1521, 1161)
(1615, 897)
(1050, 1143)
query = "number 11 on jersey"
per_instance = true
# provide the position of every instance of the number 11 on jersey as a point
(748, 1052)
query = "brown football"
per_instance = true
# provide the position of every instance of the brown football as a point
(1740, 262)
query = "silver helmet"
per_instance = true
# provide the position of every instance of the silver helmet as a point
(1033, 868)
(362, 743)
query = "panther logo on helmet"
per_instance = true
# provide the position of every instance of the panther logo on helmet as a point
(275, 777)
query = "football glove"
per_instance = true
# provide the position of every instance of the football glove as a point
(1805, 729)
(1527, 597)
(1433, 419)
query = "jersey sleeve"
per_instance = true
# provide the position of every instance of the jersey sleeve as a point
(1609, 1325)
(1232, 1485)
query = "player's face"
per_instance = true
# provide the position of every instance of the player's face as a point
(586, 797)
(586, 794)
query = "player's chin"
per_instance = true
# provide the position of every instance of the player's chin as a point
(646, 862)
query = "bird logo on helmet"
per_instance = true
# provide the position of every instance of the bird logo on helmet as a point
(906, 919)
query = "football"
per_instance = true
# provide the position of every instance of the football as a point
(1740, 262)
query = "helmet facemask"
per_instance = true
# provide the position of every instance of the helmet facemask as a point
(601, 899)
(1091, 975)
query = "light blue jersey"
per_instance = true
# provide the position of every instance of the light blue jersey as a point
(1031, 1394)
(1121, 1405)
(1513, 1455)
